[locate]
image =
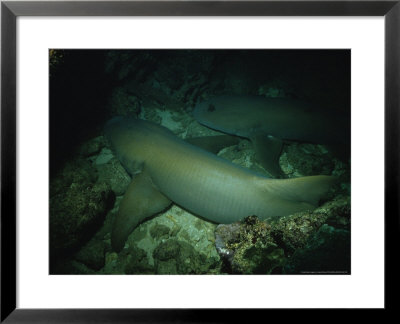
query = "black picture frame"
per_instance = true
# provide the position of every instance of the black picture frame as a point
(10, 10)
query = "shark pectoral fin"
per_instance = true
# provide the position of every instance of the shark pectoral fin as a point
(213, 144)
(268, 150)
(141, 200)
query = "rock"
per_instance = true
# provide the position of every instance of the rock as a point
(195, 129)
(244, 155)
(258, 259)
(129, 64)
(111, 258)
(78, 206)
(159, 231)
(123, 103)
(114, 263)
(138, 262)
(327, 251)
(68, 266)
(114, 174)
(179, 257)
(293, 232)
(168, 235)
(77, 170)
(167, 267)
(255, 246)
(167, 250)
(92, 146)
(92, 254)
(338, 211)
(104, 157)
(299, 159)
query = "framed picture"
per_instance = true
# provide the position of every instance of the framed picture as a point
(176, 148)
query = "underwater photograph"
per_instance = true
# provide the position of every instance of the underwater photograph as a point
(200, 161)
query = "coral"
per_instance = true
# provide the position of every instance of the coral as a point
(254, 246)
(293, 232)
(248, 247)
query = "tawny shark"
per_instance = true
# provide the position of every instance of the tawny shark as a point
(166, 169)
(268, 121)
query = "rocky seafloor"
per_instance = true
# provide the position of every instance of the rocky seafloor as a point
(85, 193)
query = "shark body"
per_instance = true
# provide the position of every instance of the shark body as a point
(167, 169)
(268, 121)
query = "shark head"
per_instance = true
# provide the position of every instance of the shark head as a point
(220, 114)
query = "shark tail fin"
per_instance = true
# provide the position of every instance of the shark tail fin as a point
(308, 190)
